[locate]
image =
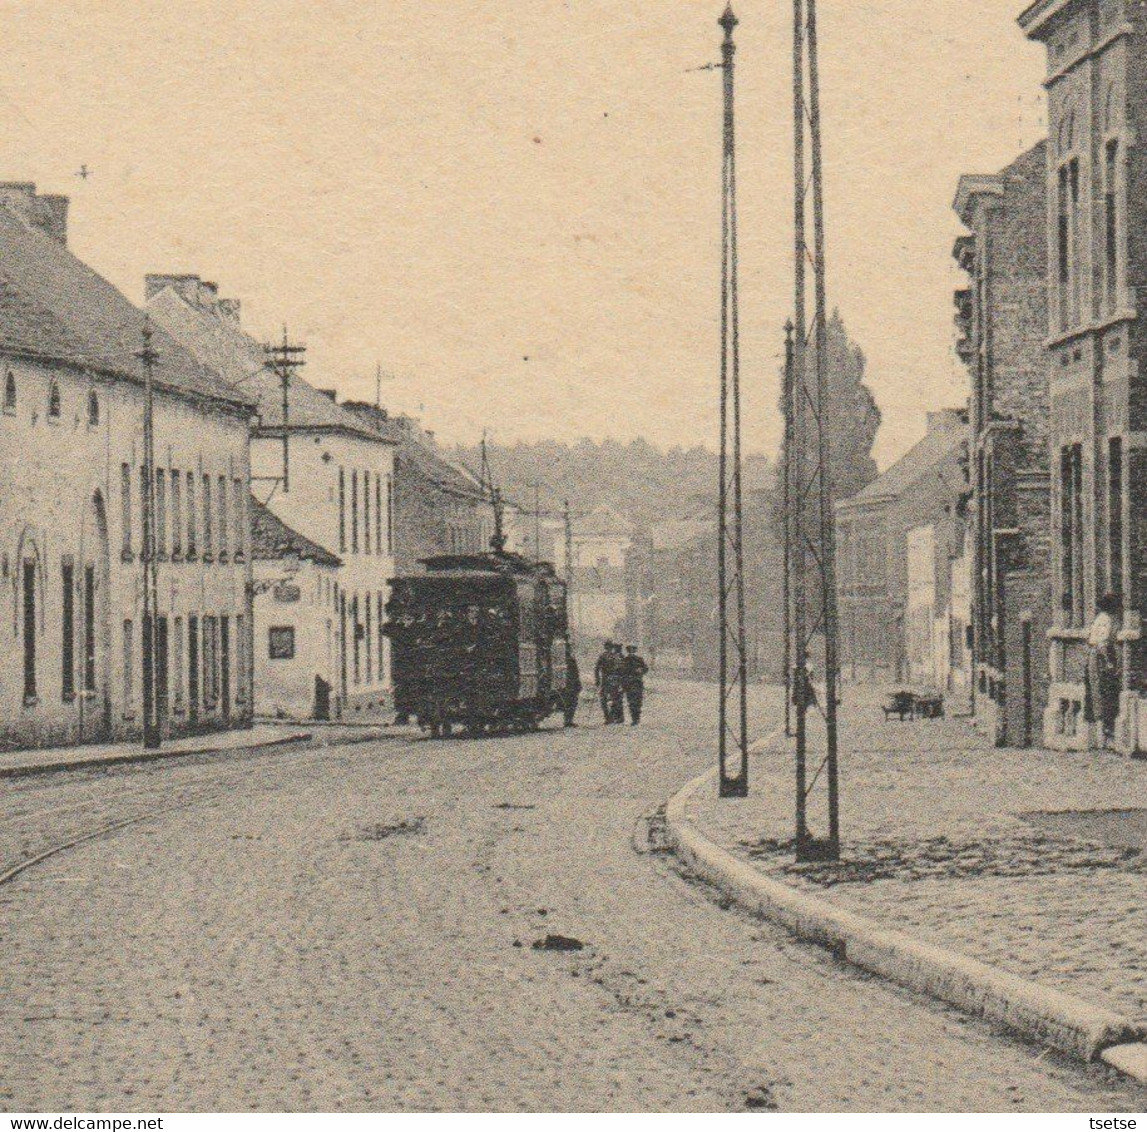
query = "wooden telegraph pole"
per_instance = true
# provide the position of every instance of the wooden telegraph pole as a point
(152, 724)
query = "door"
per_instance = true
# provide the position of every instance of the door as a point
(225, 663)
(161, 673)
(193, 670)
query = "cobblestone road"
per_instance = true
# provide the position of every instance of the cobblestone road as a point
(353, 929)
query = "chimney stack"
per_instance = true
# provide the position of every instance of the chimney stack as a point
(48, 212)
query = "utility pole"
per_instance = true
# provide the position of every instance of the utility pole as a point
(537, 522)
(787, 596)
(283, 358)
(152, 726)
(569, 571)
(811, 508)
(733, 723)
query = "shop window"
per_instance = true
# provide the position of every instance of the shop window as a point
(54, 404)
(10, 392)
(93, 408)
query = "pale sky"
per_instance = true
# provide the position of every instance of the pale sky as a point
(452, 187)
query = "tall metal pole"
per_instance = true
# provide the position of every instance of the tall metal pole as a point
(151, 720)
(569, 572)
(797, 469)
(787, 597)
(284, 358)
(730, 541)
(824, 454)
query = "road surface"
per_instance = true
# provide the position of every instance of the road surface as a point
(354, 929)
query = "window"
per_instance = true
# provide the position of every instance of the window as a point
(1067, 238)
(366, 537)
(10, 392)
(128, 670)
(125, 508)
(1115, 515)
(191, 524)
(93, 408)
(354, 512)
(176, 515)
(29, 609)
(1111, 223)
(68, 630)
(390, 514)
(239, 499)
(207, 540)
(342, 510)
(1071, 533)
(54, 401)
(161, 513)
(89, 628)
(224, 531)
(281, 642)
(378, 514)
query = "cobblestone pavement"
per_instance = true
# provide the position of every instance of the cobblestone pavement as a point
(355, 928)
(1033, 861)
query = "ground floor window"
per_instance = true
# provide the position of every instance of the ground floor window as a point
(68, 630)
(1071, 533)
(128, 669)
(210, 662)
(29, 610)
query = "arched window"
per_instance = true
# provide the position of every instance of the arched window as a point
(10, 392)
(54, 401)
(93, 408)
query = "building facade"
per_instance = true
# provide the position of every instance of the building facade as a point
(925, 486)
(1096, 347)
(296, 617)
(1001, 319)
(71, 507)
(332, 482)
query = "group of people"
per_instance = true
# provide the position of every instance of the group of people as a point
(619, 677)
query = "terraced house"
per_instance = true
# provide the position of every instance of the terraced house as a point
(71, 506)
(324, 472)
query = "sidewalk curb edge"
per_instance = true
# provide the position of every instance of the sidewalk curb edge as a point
(1035, 1012)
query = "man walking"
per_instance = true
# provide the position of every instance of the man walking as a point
(633, 670)
(607, 678)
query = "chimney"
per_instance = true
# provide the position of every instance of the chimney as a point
(196, 292)
(332, 394)
(48, 213)
(942, 419)
(229, 311)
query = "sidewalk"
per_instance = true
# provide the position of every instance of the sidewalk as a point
(1034, 862)
(49, 760)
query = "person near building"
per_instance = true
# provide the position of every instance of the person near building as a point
(633, 671)
(573, 690)
(1103, 675)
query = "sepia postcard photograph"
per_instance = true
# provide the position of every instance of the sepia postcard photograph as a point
(573, 556)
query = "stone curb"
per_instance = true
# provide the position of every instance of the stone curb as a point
(1038, 1013)
(142, 756)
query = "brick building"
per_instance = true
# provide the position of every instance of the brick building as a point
(1096, 345)
(71, 506)
(923, 487)
(339, 492)
(1001, 319)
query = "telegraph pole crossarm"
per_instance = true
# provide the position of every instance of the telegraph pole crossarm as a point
(283, 358)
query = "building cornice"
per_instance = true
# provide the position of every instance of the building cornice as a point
(970, 188)
(1033, 20)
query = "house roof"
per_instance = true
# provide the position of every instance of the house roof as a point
(53, 306)
(603, 520)
(220, 343)
(271, 538)
(942, 441)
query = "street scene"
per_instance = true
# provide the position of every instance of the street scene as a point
(543, 573)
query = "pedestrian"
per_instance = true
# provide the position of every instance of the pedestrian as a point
(1103, 675)
(573, 690)
(633, 670)
(605, 679)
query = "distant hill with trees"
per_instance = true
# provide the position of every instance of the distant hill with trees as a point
(638, 480)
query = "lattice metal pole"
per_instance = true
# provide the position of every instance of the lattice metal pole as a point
(811, 504)
(733, 718)
(152, 723)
